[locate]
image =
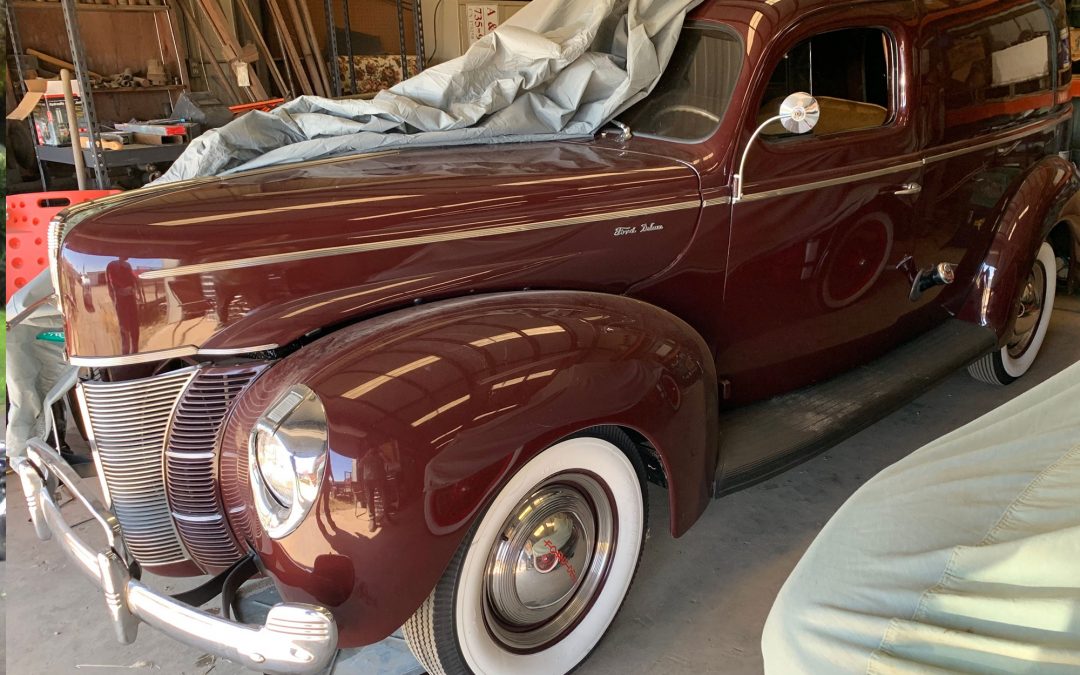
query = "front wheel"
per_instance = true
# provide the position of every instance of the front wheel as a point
(1033, 310)
(543, 573)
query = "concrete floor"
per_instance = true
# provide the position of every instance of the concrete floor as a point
(698, 605)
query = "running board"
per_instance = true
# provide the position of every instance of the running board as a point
(764, 439)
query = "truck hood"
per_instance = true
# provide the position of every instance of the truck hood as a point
(258, 260)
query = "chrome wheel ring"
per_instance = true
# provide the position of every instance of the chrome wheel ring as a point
(1029, 312)
(549, 563)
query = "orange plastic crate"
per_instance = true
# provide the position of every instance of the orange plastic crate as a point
(28, 217)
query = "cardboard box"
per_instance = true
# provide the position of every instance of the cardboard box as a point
(109, 140)
(477, 18)
(154, 139)
(44, 104)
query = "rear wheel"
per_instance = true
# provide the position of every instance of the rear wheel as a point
(537, 583)
(1033, 310)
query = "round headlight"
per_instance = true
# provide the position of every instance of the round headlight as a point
(275, 464)
(287, 459)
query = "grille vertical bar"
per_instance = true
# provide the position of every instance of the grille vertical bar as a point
(129, 421)
(190, 464)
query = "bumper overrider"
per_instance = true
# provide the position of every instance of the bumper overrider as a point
(295, 639)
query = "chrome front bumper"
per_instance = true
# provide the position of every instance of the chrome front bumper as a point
(296, 639)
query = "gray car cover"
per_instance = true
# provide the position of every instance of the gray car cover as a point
(557, 69)
(962, 558)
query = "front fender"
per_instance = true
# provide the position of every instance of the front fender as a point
(431, 409)
(1049, 194)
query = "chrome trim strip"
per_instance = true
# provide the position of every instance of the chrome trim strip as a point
(196, 519)
(131, 359)
(986, 145)
(238, 351)
(256, 261)
(831, 182)
(1020, 134)
(189, 455)
(719, 201)
(163, 355)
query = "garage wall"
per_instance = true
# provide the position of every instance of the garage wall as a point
(374, 17)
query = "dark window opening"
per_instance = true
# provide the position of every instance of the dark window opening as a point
(846, 70)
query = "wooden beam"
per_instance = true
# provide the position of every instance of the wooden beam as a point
(226, 81)
(256, 30)
(320, 62)
(230, 45)
(289, 48)
(305, 47)
(60, 62)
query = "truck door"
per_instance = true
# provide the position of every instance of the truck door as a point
(816, 272)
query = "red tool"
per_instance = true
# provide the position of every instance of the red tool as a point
(28, 217)
(265, 106)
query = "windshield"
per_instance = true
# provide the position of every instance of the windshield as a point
(691, 98)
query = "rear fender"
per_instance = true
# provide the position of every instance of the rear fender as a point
(1047, 196)
(431, 409)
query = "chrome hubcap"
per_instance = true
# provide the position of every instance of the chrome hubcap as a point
(1029, 313)
(549, 563)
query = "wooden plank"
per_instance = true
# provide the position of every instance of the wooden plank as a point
(229, 43)
(290, 48)
(173, 49)
(305, 47)
(249, 18)
(196, 28)
(47, 58)
(320, 62)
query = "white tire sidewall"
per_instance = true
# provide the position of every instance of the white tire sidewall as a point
(1018, 367)
(480, 650)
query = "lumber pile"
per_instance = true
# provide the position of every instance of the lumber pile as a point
(306, 71)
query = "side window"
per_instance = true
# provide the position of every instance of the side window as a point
(848, 71)
(695, 91)
(1007, 57)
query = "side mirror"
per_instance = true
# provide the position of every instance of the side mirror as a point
(799, 114)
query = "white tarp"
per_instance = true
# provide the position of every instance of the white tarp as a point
(963, 557)
(557, 69)
(34, 366)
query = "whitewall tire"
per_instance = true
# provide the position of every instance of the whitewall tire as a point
(545, 570)
(1034, 307)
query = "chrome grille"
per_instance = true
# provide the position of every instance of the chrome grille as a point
(128, 423)
(190, 463)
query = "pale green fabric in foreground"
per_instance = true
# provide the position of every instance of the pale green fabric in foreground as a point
(33, 366)
(963, 557)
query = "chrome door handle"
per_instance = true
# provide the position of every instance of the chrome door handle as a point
(909, 189)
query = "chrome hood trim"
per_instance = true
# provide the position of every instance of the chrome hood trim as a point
(478, 233)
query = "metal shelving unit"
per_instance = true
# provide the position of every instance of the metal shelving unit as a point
(418, 34)
(129, 156)
(97, 158)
